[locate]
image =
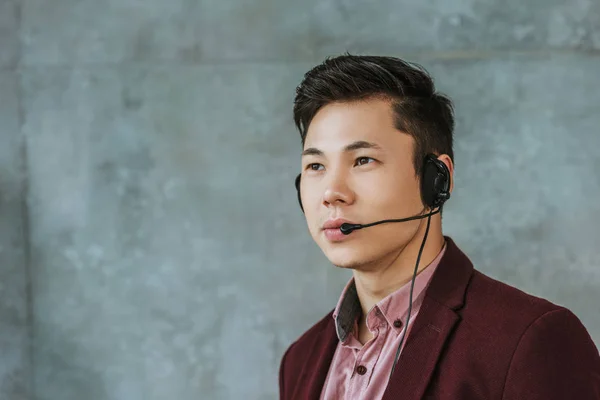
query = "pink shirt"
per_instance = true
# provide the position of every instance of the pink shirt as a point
(362, 372)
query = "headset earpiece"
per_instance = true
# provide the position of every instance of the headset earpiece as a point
(297, 184)
(435, 182)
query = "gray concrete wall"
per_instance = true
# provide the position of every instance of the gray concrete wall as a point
(15, 351)
(151, 245)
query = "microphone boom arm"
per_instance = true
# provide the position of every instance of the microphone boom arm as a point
(347, 228)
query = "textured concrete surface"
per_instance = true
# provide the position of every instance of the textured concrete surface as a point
(152, 281)
(9, 33)
(168, 256)
(14, 333)
(187, 31)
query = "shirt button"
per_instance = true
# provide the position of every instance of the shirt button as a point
(397, 323)
(361, 369)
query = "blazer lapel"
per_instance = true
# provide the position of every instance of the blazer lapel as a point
(433, 325)
(314, 372)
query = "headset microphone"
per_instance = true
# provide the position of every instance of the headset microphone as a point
(347, 228)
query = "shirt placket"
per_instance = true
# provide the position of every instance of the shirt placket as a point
(366, 358)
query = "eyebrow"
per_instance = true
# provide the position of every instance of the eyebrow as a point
(360, 144)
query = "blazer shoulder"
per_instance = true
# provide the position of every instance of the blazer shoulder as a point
(493, 307)
(493, 294)
(555, 358)
(306, 339)
(297, 353)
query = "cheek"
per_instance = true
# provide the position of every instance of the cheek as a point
(311, 204)
(393, 194)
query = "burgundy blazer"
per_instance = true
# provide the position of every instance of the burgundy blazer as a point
(474, 338)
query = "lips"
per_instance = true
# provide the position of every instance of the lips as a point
(332, 231)
(335, 223)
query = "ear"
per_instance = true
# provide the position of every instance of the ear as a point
(445, 158)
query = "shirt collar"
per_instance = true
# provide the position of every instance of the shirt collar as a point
(392, 307)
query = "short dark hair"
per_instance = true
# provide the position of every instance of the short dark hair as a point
(423, 113)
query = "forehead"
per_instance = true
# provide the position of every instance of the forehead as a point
(338, 124)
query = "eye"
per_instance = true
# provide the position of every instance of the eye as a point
(313, 166)
(360, 160)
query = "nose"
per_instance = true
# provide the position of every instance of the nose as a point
(337, 192)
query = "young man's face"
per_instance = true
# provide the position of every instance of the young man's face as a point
(361, 185)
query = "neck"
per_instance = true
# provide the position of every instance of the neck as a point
(375, 284)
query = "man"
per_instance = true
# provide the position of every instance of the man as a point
(416, 321)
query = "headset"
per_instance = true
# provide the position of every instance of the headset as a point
(435, 184)
(435, 191)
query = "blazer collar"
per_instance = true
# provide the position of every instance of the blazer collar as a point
(433, 324)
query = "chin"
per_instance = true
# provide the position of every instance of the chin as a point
(347, 257)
